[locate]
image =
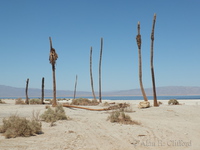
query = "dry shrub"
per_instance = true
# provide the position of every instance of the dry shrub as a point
(35, 101)
(121, 117)
(16, 126)
(106, 104)
(173, 102)
(52, 115)
(128, 108)
(120, 106)
(2, 102)
(49, 100)
(19, 101)
(84, 101)
(160, 103)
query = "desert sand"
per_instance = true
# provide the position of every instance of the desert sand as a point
(166, 127)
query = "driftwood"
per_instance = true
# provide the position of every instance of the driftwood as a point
(118, 106)
(103, 109)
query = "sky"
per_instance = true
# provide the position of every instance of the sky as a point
(75, 26)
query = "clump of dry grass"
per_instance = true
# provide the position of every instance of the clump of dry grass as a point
(49, 100)
(35, 101)
(19, 101)
(173, 102)
(84, 101)
(120, 117)
(2, 102)
(52, 115)
(16, 126)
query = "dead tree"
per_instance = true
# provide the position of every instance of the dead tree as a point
(152, 67)
(42, 98)
(139, 43)
(27, 99)
(91, 77)
(100, 59)
(52, 58)
(75, 87)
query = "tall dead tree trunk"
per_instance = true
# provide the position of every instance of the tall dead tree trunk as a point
(42, 98)
(100, 59)
(75, 87)
(152, 68)
(139, 43)
(27, 99)
(91, 77)
(52, 58)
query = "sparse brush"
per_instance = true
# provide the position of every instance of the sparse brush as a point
(35, 101)
(52, 115)
(16, 126)
(160, 103)
(128, 108)
(173, 102)
(121, 117)
(2, 102)
(84, 101)
(106, 104)
(19, 101)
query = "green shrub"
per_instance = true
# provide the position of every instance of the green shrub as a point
(173, 102)
(84, 101)
(52, 115)
(19, 101)
(16, 126)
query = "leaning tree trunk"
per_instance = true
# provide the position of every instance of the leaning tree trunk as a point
(42, 98)
(100, 59)
(52, 58)
(91, 77)
(27, 101)
(152, 68)
(139, 42)
(75, 87)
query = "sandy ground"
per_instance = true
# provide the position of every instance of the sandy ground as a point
(165, 127)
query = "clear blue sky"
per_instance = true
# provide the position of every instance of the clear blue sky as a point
(76, 25)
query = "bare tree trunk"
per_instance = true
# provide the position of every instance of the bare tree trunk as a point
(75, 87)
(27, 101)
(91, 77)
(139, 42)
(54, 102)
(152, 68)
(42, 98)
(52, 58)
(100, 59)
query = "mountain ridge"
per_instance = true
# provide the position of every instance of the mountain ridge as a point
(9, 91)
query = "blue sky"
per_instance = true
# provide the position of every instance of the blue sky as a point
(77, 25)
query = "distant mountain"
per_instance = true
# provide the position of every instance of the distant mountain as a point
(8, 91)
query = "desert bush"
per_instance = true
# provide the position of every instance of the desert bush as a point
(173, 102)
(120, 117)
(16, 126)
(160, 103)
(19, 101)
(49, 100)
(84, 101)
(60, 99)
(127, 108)
(2, 102)
(35, 101)
(52, 115)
